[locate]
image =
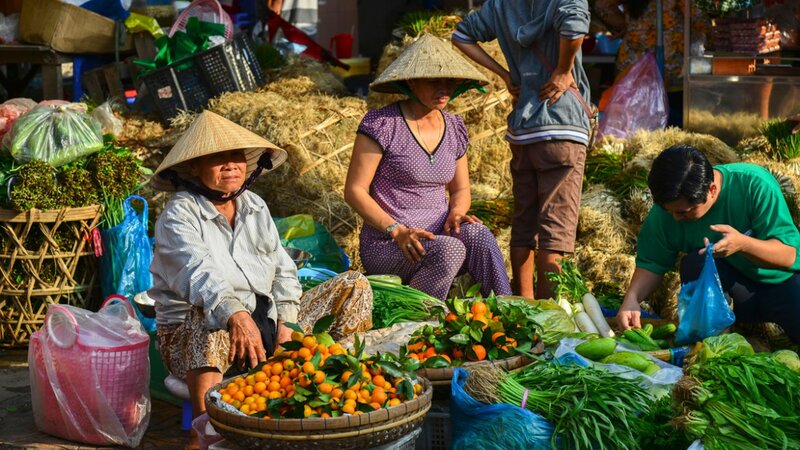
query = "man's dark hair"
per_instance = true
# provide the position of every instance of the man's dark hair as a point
(680, 171)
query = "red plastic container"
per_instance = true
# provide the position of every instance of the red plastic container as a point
(342, 45)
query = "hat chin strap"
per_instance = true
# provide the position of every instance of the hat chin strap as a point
(264, 163)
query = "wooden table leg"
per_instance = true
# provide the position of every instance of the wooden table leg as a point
(52, 82)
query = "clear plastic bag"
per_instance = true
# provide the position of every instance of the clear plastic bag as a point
(105, 115)
(90, 374)
(703, 310)
(57, 135)
(9, 28)
(638, 102)
(657, 384)
(493, 427)
(126, 258)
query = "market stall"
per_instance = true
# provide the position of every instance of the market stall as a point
(470, 371)
(742, 66)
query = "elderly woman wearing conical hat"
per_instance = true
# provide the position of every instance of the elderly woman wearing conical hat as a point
(409, 180)
(223, 284)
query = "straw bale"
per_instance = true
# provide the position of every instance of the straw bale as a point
(730, 128)
(664, 301)
(504, 242)
(600, 223)
(302, 76)
(646, 145)
(601, 268)
(635, 209)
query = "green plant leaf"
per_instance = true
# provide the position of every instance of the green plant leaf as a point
(460, 339)
(474, 290)
(391, 369)
(436, 362)
(294, 327)
(323, 324)
(324, 338)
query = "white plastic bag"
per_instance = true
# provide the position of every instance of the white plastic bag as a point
(90, 374)
(659, 383)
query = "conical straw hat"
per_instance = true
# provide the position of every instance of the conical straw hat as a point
(427, 57)
(211, 133)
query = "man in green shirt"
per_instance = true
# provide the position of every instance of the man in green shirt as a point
(740, 208)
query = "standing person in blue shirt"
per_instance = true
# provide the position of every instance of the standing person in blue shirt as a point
(548, 128)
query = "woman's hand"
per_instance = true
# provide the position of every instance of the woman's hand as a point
(408, 239)
(245, 338)
(455, 219)
(284, 334)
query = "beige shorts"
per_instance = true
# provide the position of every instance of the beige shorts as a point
(547, 177)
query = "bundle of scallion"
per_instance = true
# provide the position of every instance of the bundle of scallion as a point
(740, 401)
(589, 408)
(393, 302)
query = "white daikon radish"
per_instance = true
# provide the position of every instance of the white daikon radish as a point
(585, 323)
(594, 312)
(576, 308)
(564, 304)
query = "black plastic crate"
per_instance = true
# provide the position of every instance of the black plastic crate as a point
(188, 84)
(231, 67)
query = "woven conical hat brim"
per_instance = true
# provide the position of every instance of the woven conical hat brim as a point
(427, 57)
(211, 133)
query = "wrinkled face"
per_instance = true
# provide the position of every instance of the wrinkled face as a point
(223, 172)
(684, 211)
(434, 92)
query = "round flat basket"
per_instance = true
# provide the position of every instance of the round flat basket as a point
(368, 430)
(440, 378)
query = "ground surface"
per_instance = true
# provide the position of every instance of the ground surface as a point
(17, 429)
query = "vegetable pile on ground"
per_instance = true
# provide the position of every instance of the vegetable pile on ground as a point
(741, 401)
(474, 330)
(589, 408)
(311, 376)
(393, 302)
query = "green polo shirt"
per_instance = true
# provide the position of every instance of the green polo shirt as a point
(750, 200)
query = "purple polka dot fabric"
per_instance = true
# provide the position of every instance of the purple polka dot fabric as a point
(410, 185)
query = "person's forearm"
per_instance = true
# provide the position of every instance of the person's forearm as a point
(460, 200)
(643, 283)
(567, 49)
(479, 55)
(772, 253)
(367, 208)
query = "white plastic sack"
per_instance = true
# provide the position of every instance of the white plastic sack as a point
(90, 375)
(657, 384)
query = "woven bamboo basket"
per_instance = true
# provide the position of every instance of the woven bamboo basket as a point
(369, 430)
(441, 377)
(46, 258)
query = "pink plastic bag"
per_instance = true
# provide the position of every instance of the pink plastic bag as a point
(90, 374)
(639, 101)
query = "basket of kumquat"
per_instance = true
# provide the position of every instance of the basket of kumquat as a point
(313, 393)
(479, 331)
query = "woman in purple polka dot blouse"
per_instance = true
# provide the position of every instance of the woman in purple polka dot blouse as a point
(408, 156)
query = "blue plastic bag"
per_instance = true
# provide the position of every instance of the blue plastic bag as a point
(303, 232)
(703, 310)
(127, 253)
(476, 425)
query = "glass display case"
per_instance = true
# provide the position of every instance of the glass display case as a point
(742, 70)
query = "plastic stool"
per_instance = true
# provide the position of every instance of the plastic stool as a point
(178, 388)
